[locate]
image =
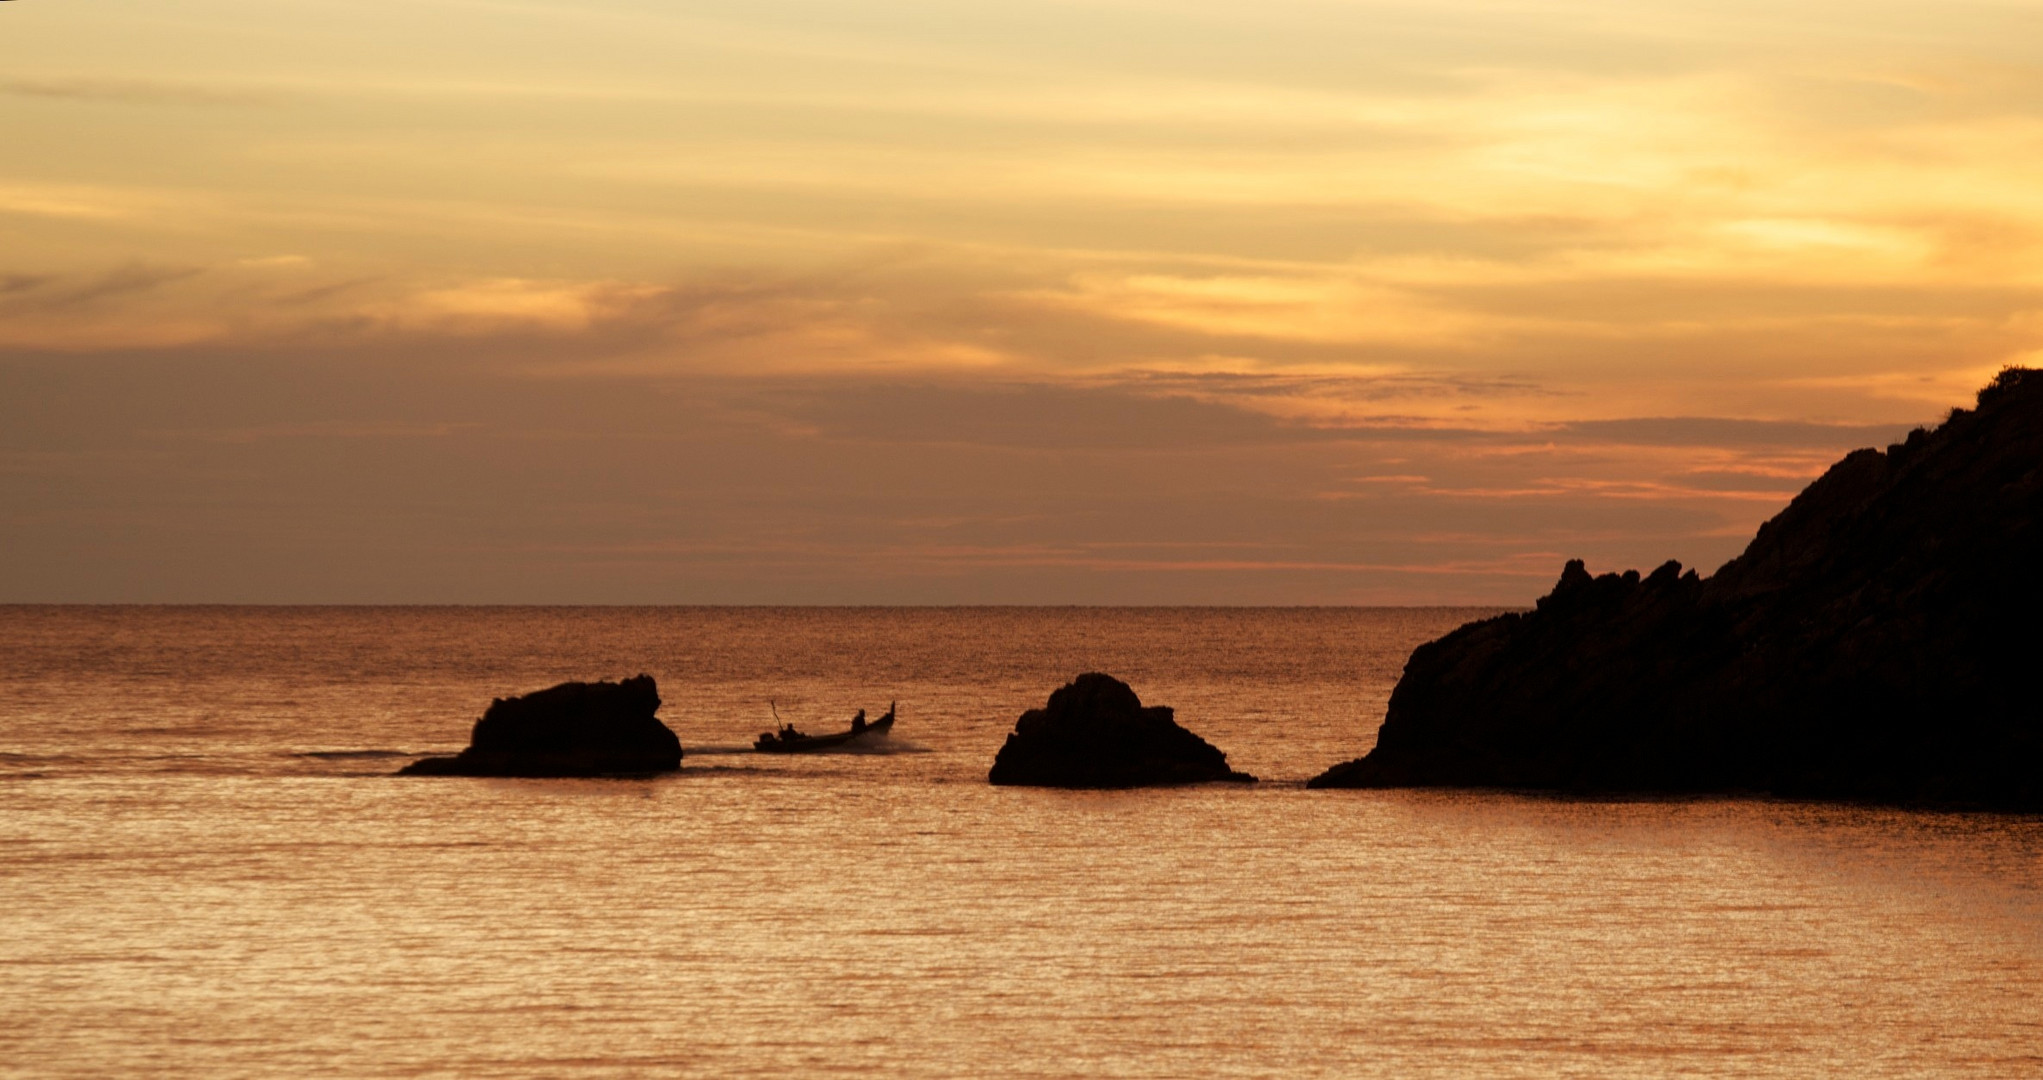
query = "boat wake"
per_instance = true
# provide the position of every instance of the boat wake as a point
(876, 745)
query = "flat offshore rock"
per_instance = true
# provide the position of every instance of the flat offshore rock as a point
(574, 729)
(1096, 733)
(1878, 640)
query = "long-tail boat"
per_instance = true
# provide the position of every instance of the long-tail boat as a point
(789, 741)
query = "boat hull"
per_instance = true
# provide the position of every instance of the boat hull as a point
(809, 744)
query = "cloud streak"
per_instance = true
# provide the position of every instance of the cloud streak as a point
(135, 92)
(413, 471)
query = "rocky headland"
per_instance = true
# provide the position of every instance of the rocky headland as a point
(1878, 640)
(1096, 733)
(574, 729)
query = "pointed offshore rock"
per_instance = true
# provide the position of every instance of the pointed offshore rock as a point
(574, 729)
(1879, 640)
(1095, 733)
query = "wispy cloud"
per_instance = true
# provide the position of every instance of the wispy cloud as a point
(137, 91)
(118, 282)
(1731, 432)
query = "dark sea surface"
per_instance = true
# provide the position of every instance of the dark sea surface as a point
(207, 870)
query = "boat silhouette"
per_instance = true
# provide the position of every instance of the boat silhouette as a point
(789, 741)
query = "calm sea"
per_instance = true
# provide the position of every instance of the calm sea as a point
(207, 870)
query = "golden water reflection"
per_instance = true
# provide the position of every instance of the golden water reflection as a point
(894, 915)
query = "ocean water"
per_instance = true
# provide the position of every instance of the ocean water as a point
(207, 870)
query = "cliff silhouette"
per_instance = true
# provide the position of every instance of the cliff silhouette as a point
(1878, 640)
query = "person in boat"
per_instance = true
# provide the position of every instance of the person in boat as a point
(858, 722)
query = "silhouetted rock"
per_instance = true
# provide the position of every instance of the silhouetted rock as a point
(574, 729)
(1095, 733)
(1879, 639)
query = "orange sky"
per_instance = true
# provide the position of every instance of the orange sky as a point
(1151, 301)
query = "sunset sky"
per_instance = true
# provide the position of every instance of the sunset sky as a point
(1149, 301)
